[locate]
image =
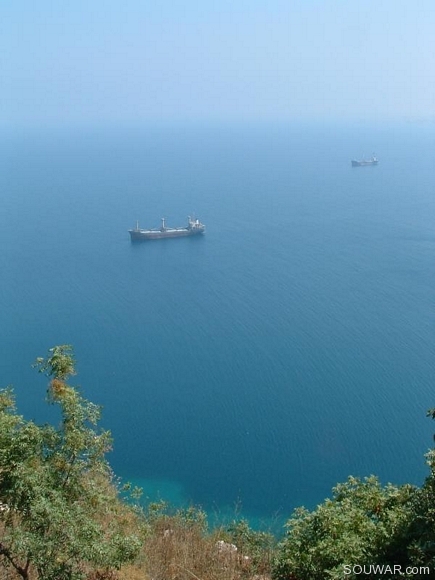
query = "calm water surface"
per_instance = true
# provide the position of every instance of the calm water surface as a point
(289, 347)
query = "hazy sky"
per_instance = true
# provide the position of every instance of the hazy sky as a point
(87, 61)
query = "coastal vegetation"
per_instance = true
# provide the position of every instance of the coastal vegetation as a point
(65, 516)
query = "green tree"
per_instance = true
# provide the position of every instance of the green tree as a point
(60, 512)
(422, 530)
(364, 523)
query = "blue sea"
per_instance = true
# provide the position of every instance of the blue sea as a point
(253, 368)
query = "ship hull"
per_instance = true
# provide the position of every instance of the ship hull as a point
(141, 235)
(364, 163)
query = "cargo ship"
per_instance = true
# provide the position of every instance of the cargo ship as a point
(364, 162)
(194, 228)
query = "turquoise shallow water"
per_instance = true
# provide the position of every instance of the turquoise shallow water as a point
(255, 367)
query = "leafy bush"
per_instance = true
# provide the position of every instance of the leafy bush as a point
(364, 523)
(61, 516)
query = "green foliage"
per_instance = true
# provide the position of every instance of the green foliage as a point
(60, 364)
(192, 518)
(62, 516)
(422, 530)
(364, 523)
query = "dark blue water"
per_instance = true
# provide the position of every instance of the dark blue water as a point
(289, 347)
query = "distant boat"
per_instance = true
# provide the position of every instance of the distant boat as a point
(194, 227)
(364, 162)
